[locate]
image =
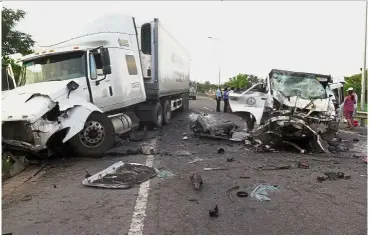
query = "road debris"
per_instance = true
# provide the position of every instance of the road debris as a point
(121, 175)
(242, 194)
(260, 193)
(182, 153)
(214, 212)
(185, 138)
(303, 165)
(244, 177)
(195, 160)
(165, 174)
(54, 186)
(221, 151)
(230, 190)
(230, 159)
(273, 167)
(333, 176)
(193, 200)
(87, 175)
(196, 180)
(217, 168)
(26, 198)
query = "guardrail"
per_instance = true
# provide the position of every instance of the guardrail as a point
(361, 115)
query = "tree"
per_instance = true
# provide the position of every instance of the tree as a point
(242, 81)
(14, 41)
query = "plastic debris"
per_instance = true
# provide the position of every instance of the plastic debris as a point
(121, 175)
(185, 138)
(164, 174)
(214, 212)
(218, 168)
(260, 193)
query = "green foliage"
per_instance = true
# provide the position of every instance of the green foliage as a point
(242, 81)
(355, 81)
(14, 41)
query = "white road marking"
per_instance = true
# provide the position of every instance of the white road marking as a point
(207, 108)
(137, 221)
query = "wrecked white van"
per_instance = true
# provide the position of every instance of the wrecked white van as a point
(290, 105)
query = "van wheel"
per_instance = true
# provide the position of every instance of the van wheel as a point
(167, 112)
(157, 115)
(97, 136)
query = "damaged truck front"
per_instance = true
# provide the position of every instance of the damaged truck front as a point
(290, 107)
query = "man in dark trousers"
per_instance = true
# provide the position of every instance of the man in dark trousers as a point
(225, 98)
(218, 95)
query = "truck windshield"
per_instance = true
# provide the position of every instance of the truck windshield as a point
(302, 85)
(53, 68)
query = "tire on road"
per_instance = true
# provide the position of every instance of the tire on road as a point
(97, 136)
(167, 112)
(157, 115)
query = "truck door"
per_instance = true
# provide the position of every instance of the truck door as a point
(132, 75)
(253, 101)
(101, 90)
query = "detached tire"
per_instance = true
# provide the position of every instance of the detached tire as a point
(97, 136)
(167, 113)
(157, 115)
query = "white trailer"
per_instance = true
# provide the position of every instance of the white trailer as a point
(107, 81)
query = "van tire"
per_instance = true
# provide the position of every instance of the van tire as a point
(167, 112)
(99, 129)
(157, 115)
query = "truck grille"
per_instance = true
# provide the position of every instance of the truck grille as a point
(17, 130)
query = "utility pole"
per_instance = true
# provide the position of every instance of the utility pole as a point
(363, 95)
(219, 54)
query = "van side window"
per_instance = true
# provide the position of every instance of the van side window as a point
(132, 67)
(93, 68)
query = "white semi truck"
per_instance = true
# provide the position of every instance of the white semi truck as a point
(107, 81)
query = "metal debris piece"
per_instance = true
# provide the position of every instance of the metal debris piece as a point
(195, 160)
(239, 136)
(221, 150)
(121, 175)
(185, 138)
(218, 168)
(273, 167)
(214, 212)
(196, 180)
(302, 151)
(230, 190)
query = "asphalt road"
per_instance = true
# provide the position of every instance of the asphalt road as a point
(55, 201)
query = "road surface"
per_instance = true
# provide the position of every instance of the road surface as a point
(55, 201)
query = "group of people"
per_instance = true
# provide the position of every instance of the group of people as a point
(350, 107)
(223, 96)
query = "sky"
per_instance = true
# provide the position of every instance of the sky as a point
(252, 37)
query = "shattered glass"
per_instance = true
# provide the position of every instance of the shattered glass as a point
(303, 86)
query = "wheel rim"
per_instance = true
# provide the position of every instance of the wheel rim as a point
(159, 118)
(92, 135)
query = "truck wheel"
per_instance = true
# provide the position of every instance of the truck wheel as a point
(157, 115)
(167, 112)
(97, 136)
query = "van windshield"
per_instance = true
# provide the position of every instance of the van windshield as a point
(302, 85)
(53, 68)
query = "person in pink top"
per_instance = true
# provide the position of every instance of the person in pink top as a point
(349, 108)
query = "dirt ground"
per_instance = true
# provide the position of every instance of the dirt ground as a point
(55, 201)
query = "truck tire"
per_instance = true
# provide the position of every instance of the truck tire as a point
(97, 136)
(167, 112)
(157, 115)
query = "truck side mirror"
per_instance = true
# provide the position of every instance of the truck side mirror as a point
(106, 62)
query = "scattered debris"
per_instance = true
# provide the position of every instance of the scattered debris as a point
(303, 165)
(54, 186)
(332, 176)
(193, 200)
(165, 174)
(196, 180)
(244, 177)
(195, 160)
(272, 167)
(121, 175)
(242, 194)
(185, 138)
(214, 212)
(230, 159)
(182, 153)
(184, 134)
(230, 190)
(87, 175)
(218, 168)
(321, 178)
(26, 198)
(346, 177)
(355, 140)
(302, 151)
(261, 192)
(221, 150)
(148, 150)
(239, 136)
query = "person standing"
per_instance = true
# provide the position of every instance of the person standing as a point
(218, 95)
(351, 90)
(349, 108)
(226, 99)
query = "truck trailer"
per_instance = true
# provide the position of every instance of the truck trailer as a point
(106, 82)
